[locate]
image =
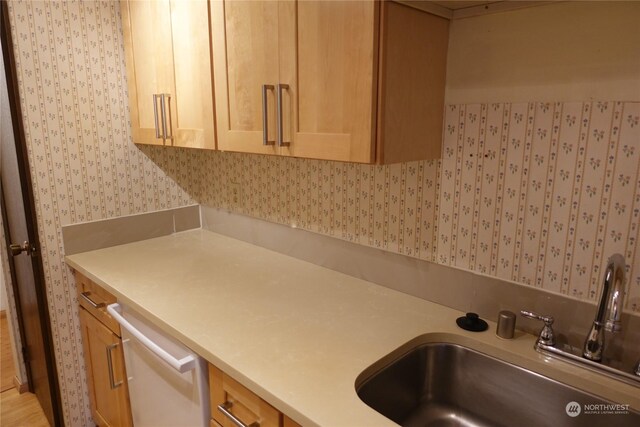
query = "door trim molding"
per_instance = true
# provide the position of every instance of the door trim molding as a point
(30, 211)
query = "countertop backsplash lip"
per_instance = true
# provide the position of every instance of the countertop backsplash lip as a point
(104, 233)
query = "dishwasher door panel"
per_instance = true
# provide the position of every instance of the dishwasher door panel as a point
(160, 395)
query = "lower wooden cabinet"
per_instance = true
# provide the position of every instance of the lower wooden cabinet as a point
(240, 403)
(104, 359)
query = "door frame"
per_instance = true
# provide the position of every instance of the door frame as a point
(31, 221)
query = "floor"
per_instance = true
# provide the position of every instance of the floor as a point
(21, 410)
(16, 410)
(7, 371)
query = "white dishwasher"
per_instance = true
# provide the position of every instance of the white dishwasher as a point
(168, 384)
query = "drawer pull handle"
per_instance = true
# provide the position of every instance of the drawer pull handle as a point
(112, 381)
(94, 304)
(224, 408)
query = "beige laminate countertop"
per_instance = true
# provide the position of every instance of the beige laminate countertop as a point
(296, 334)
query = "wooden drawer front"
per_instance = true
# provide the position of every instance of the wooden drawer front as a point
(89, 292)
(245, 405)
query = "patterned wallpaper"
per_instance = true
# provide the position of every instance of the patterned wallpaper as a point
(536, 193)
(70, 65)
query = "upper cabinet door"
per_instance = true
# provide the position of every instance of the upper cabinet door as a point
(358, 81)
(192, 117)
(169, 72)
(146, 27)
(245, 56)
(329, 61)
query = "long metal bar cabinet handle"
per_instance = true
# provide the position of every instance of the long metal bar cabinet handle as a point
(281, 141)
(265, 115)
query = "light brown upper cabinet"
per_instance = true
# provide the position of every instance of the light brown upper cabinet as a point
(358, 81)
(168, 58)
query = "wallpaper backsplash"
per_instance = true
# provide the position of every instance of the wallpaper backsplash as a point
(537, 193)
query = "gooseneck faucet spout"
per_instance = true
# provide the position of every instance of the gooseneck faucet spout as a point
(609, 308)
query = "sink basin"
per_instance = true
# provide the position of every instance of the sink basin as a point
(443, 384)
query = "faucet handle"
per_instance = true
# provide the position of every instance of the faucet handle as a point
(547, 336)
(548, 320)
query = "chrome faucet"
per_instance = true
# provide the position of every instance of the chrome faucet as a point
(609, 308)
(607, 318)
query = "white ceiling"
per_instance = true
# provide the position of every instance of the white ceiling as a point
(456, 9)
(461, 4)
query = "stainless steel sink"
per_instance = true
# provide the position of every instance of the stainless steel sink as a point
(443, 384)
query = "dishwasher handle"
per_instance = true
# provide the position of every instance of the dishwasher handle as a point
(183, 365)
